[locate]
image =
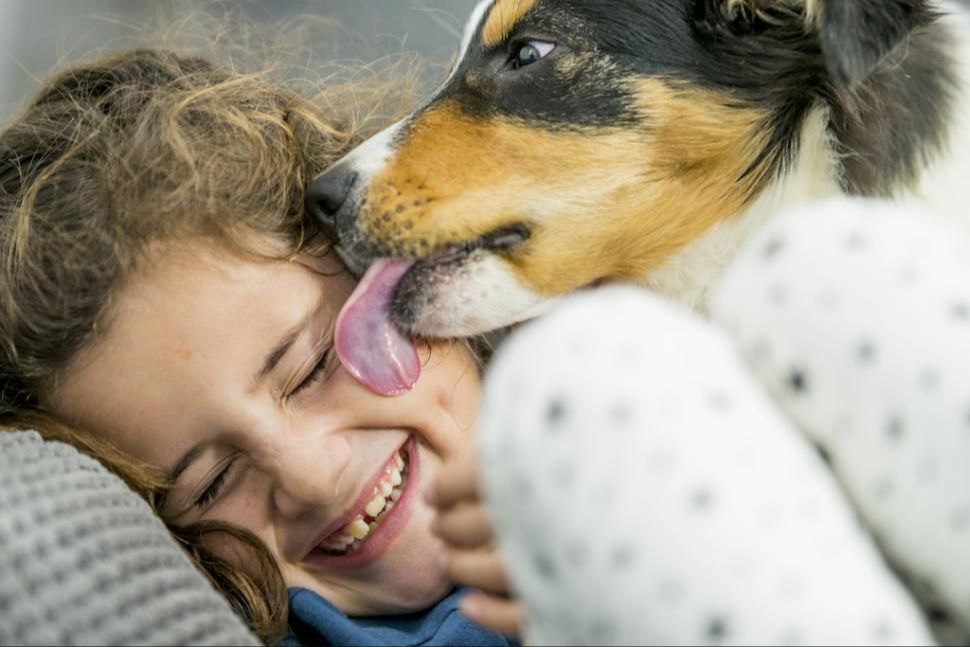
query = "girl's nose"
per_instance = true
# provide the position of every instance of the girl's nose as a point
(306, 476)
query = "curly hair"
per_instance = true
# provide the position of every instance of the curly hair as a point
(141, 147)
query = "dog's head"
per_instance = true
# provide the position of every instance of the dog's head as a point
(579, 140)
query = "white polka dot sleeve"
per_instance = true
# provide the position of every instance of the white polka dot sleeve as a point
(646, 490)
(856, 315)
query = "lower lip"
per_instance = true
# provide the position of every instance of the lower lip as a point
(391, 527)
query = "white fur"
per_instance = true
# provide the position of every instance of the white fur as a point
(689, 275)
(478, 15)
(482, 295)
(371, 156)
(944, 184)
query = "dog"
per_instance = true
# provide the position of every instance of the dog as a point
(577, 142)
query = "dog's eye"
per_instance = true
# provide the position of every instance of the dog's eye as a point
(529, 52)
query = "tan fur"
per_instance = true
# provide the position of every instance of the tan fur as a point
(503, 17)
(747, 7)
(601, 202)
(813, 15)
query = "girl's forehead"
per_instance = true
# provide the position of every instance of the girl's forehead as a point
(195, 298)
(182, 271)
(192, 331)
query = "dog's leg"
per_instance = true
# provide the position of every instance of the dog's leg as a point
(857, 315)
(645, 490)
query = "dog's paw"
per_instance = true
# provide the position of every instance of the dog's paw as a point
(856, 314)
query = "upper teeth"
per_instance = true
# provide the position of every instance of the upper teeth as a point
(386, 493)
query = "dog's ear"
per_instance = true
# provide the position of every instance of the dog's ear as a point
(856, 35)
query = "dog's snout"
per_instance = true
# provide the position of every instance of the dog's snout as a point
(328, 195)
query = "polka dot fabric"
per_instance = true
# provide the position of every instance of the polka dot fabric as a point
(646, 491)
(660, 479)
(856, 316)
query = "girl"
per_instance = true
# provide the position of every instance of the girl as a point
(162, 292)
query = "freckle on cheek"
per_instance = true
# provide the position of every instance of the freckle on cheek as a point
(183, 354)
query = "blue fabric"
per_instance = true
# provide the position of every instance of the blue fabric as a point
(314, 621)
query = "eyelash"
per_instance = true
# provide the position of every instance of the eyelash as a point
(313, 376)
(211, 492)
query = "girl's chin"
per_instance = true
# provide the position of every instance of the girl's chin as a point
(408, 583)
(415, 596)
(405, 592)
(408, 577)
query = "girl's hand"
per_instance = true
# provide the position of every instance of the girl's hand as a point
(470, 557)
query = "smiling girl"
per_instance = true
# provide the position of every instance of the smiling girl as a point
(162, 292)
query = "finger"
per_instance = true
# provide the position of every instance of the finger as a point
(480, 569)
(499, 614)
(464, 526)
(455, 483)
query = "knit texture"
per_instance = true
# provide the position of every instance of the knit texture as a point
(83, 560)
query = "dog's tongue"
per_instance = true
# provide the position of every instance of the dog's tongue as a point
(375, 352)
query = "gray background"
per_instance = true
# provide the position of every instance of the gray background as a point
(38, 35)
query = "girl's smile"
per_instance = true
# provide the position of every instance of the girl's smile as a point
(220, 370)
(379, 514)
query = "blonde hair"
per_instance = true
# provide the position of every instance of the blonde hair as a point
(143, 146)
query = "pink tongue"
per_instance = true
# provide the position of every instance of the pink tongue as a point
(369, 345)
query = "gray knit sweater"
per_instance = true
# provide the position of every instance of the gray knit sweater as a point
(83, 560)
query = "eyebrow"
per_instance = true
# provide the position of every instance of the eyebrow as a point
(277, 354)
(502, 19)
(286, 343)
(187, 460)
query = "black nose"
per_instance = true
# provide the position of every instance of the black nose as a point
(327, 195)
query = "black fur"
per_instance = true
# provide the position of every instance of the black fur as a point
(888, 127)
(857, 35)
(880, 65)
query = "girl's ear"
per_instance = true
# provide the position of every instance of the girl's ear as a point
(854, 35)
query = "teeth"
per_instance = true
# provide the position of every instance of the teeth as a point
(387, 493)
(339, 542)
(375, 506)
(357, 528)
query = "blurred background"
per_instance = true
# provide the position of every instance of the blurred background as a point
(38, 35)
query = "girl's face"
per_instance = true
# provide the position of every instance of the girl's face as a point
(220, 371)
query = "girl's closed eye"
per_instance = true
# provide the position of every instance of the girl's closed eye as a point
(315, 375)
(212, 491)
